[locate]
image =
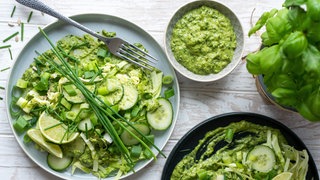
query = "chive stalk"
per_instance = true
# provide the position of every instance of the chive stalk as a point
(4, 69)
(6, 46)
(11, 36)
(22, 31)
(13, 10)
(29, 17)
(10, 53)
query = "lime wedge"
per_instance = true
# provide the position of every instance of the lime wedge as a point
(283, 176)
(54, 130)
(36, 136)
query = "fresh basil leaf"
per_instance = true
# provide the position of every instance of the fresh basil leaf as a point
(314, 102)
(266, 40)
(285, 81)
(284, 96)
(262, 21)
(298, 18)
(277, 27)
(294, 45)
(253, 63)
(313, 9)
(289, 3)
(311, 60)
(270, 59)
(305, 112)
(313, 34)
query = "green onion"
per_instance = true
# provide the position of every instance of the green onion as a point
(4, 69)
(22, 31)
(1, 87)
(30, 15)
(229, 135)
(11, 36)
(169, 93)
(136, 151)
(95, 103)
(6, 46)
(167, 80)
(13, 10)
(20, 124)
(22, 83)
(70, 90)
(1, 98)
(10, 53)
(26, 139)
(102, 53)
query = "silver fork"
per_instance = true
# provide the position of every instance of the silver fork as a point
(116, 46)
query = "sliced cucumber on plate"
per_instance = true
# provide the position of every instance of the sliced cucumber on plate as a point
(58, 164)
(161, 118)
(261, 158)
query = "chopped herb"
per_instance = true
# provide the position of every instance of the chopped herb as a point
(10, 53)
(13, 10)
(6, 46)
(30, 15)
(1, 98)
(1, 87)
(11, 36)
(4, 69)
(22, 31)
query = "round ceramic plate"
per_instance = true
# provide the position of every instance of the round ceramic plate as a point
(97, 22)
(190, 140)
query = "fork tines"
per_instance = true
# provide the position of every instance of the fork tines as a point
(137, 56)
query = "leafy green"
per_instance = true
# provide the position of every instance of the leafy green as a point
(277, 27)
(262, 21)
(289, 3)
(313, 9)
(289, 59)
(294, 45)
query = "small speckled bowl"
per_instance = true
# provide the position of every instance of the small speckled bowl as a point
(237, 29)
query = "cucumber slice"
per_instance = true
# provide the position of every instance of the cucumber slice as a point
(128, 139)
(261, 158)
(130, 97)
(114, 97)
(58, 164)
(161, 118)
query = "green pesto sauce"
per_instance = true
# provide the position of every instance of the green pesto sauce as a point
(215, 157)
(203, 41)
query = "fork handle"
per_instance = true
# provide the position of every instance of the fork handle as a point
(40, 6)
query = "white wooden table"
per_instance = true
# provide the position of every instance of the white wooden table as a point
(199, 101)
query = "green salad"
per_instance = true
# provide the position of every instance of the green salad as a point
(243, 150)
(90, 110)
